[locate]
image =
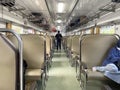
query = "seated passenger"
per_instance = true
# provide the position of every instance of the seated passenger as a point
(112, 62)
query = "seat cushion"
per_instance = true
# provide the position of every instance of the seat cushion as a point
(75, 55)
(33, 74)
(95, 75)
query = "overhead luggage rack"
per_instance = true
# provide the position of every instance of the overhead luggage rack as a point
(9, 3)
(117, 1)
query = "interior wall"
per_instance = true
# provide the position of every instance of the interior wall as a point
(110, 29)
(28, 31)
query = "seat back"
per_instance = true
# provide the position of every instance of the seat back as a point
(75, 44)
(64, 41)
(94, 48)
(33, 50)
(69, 42)
(72, 45)
(8, 65)
(48, 44)
(51, 44)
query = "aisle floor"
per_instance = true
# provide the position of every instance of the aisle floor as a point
(61, 75)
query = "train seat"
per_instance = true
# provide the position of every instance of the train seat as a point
(8, 65)
(33, 54)
(68, 48)
(48, 51)
(75, 49)
(48, 46)
(64, 42)
(33, 74)
(93, 50)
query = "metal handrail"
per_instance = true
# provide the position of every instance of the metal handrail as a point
(20, 49)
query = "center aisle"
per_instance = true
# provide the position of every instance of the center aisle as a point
(61, 75)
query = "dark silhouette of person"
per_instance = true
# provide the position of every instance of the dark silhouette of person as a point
(58, 37)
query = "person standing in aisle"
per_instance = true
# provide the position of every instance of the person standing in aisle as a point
(58, 37)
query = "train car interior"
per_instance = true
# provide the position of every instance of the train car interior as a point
(60, 44)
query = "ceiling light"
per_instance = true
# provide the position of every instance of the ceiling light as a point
(37, 2)
(59, 21)
(73, 14)
(58, 27)
(61, 7)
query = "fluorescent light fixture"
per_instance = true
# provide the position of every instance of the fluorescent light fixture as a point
(59, 21)
(58, 27)
(61, 6)
(37, 2)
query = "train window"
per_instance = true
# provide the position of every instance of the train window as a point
(107, 30)
(17, 29)
(87, 31)
(28, 31)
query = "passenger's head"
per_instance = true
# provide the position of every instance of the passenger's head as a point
(118, 43)
(58, 31)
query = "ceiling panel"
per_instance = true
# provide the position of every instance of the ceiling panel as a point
(29, 4)
(88, 7)
(83, 8)
(34, 6)
(53, 6)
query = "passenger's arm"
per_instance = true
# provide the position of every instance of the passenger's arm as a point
(111, 55)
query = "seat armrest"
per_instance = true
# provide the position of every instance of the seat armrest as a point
(83, 65)
(71, 52)
(77, 61)
(83, 69)
(84, 72)
(77, 57)
(33, 74)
